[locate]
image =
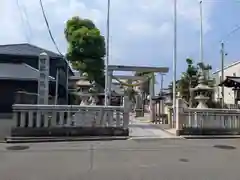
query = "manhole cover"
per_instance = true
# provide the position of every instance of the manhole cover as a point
(17, 148)
(183, 160)
(224, 147)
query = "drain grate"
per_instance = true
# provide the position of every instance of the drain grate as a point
(17, 148)
(224, 147)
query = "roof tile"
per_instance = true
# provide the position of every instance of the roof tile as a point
(25, 50)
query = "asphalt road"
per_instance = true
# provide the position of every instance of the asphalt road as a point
(163, 159)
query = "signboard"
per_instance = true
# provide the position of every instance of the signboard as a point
(43, 80)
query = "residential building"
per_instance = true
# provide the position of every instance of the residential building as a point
(230, 70)
(19, 72)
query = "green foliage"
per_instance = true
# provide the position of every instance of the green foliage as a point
(86, 48)
(189, 79)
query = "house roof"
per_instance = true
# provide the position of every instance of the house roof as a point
(226, 67)
(231, 81)
(25, 49)
(21, 71)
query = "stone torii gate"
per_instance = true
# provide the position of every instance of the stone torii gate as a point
(139, 103)
(112, 68)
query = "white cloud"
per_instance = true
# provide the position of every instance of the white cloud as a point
(141, 30)
(10, 23)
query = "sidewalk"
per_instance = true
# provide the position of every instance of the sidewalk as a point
(143, 128)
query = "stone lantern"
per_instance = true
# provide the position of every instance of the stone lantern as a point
(202, 92)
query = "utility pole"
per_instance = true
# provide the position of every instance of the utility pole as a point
(106, 95)
(222, 70)
(174, 63)
(162, 79)
(201, 33)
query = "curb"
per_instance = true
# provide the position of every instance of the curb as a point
(155, 138)
(212, 137)
(169, 132)
(39, 140)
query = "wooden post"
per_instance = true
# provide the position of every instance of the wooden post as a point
(138, 107)
(152, 109)
(126, 112)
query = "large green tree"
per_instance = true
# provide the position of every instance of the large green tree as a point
(86, 48)
(189, 79)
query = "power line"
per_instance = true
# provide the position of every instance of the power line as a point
(48, 27)
(237, 28)
(55, 44)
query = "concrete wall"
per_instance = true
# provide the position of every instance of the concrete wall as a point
(5, 128)
(33, 62)
(8, 89)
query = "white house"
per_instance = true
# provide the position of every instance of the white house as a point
(230, 70)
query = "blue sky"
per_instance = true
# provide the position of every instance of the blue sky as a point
(141, 30)
(223, 20)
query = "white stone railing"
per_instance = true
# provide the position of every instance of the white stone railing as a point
(206, 119)
(26, 115)
(210, 118)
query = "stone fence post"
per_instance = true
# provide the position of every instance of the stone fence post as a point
(180, 105)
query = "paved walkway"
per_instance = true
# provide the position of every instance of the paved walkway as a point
(142, 128)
